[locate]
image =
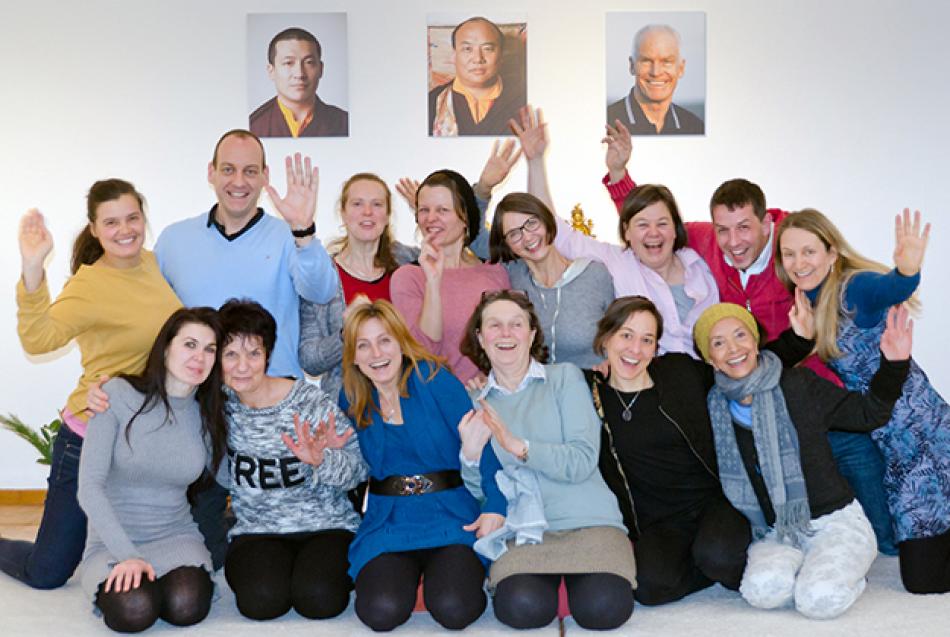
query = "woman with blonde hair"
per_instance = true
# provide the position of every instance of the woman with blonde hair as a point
(366, 257)
(852, 295)
(420, 520)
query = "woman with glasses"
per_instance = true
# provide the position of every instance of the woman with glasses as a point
(569, 296)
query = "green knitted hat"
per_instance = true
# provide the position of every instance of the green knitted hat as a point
(713, 315)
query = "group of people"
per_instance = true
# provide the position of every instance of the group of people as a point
(527, 404)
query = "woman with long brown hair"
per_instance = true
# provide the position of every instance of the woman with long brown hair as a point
(145, 557)
(113, 305)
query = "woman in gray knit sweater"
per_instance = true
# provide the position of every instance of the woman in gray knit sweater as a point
(294, 523)
(145, 557)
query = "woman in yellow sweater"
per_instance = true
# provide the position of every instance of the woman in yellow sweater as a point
(113, 305)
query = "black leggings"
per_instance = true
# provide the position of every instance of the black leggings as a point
(452, 586)
(270, 574)
(181, 597)
(925, 564)
(680, 557)
(598, 601)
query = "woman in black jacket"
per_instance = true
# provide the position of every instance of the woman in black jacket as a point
(657, 451)
(813, 543)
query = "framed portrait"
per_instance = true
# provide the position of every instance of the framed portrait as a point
(297, 75)
(477, 73)
(656, 72)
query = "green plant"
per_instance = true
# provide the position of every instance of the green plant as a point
(42, 440)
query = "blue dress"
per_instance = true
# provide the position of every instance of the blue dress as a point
(915, 442)
(427, 441)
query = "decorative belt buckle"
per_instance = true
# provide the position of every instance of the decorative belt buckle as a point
(415, 485)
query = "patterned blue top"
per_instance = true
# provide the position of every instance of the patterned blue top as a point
(916, 441)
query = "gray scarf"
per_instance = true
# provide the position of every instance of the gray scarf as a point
(776, 443)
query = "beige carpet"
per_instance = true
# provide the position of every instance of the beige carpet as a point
(884, 609)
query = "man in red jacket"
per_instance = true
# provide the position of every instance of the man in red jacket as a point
(737, 246)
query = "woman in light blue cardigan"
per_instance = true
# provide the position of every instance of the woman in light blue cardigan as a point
(563, 521)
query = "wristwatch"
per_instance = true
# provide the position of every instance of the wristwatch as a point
(306, 232)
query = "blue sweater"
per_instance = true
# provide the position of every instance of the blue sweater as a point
(263, 264)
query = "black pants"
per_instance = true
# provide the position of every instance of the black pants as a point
(270, 574)
(679, 557)
(181, 597)
(598, 601)
(925, 564)
(452, 586)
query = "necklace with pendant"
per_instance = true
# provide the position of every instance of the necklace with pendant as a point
(627, 414)
(392, 410)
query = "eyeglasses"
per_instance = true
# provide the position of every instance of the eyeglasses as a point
(517, 234)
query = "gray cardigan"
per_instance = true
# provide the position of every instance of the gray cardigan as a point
(321, 347)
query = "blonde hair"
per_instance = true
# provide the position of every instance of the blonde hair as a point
(356, 386)
(830, 302)
(384, 254)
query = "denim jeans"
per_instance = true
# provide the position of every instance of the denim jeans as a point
(861, 464)
(51, 560)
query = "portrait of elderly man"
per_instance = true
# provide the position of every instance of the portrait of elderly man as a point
(295, 66)
(657, 67)
(480, 98)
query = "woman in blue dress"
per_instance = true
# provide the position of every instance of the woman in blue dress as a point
(852, 295)
(420, 522)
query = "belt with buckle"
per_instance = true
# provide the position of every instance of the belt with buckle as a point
(417, 484)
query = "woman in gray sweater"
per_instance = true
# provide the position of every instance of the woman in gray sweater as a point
(145, 557)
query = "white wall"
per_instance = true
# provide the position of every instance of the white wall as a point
(834, 105)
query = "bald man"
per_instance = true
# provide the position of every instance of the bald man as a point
(657, 67)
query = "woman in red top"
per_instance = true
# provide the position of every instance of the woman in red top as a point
(365, 257)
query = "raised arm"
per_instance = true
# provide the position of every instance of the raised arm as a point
(497, 167)
(619, 148)
(44, 326)
(532, 134)
(311, 268)
(797, 342)
(870, 294)
(855, 411)
(330, 447)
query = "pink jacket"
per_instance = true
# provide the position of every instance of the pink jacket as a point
(764, 295)
(632, 277)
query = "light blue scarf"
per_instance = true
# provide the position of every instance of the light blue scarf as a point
(776, 444)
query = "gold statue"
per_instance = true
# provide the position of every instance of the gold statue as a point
(579, 223)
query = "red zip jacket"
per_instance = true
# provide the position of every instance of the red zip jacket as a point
(764, 295)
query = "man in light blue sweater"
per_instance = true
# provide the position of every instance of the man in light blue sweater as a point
(236, 250)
